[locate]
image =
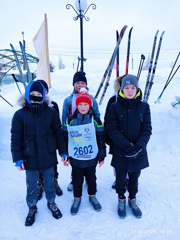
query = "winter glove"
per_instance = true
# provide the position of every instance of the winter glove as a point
(18, 163)
(133, 151)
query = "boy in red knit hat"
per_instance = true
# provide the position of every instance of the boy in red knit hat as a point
(85, 139)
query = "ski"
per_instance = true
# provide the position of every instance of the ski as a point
(146, 97)
(151, 62)
(110, 67)
(18, 65)
(128, 51)
(117, 57)
(29, 77)
(169, 78)
(111, 62)
(140, 66)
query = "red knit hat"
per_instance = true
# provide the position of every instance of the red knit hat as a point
(83, 96)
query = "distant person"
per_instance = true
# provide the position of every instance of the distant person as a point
(86, 147)
(128, 125)
(69, 106)
(35, 135)
(59, 191)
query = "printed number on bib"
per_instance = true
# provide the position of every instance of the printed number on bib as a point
(83, 150)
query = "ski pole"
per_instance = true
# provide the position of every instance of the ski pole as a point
(167, 82)
(16, 81)
(140, 66)
(6, 101)
(158, 100)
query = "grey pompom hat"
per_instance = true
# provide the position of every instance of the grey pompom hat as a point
(129, 79)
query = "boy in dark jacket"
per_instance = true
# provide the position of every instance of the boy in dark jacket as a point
(129, 127)
(86, 147)
(40, 183)
(35, 135)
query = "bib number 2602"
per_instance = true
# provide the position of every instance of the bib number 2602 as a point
(83, 150)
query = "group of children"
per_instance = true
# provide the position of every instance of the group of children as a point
(37, 134)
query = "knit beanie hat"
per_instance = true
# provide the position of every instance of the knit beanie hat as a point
(129, 79)
(44, 84)
(79, 76)
(83, 96)
(36, 86)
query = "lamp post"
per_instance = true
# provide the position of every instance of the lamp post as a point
(81, 10)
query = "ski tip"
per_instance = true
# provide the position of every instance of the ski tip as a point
(162, 34)
(157, 33)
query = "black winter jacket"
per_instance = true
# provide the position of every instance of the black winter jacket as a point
(79, 119)
(129, 121)
(36, 136)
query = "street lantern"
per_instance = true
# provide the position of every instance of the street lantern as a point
(81, 9)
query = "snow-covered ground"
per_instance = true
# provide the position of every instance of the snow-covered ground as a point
(159, 188)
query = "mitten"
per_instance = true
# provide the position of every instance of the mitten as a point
(133, 152)
(18, 163)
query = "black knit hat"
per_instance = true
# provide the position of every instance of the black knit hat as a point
(44, 84)
(36, 86)
(79, 76)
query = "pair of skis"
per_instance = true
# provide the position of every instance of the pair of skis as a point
(152, 68)
(109, 68)
(128, 53)
(169, 78)
(25, 63)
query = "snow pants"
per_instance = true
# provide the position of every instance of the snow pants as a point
(132, 183)
(31, 182)
(78, 175)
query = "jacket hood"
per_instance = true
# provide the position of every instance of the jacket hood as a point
(27, 91)
(116, 85)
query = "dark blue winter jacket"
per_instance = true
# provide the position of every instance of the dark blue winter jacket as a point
(129, 121)
(35, 135)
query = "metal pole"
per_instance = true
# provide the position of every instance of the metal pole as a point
(81, 36)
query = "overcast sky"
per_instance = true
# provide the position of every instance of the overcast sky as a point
(146, 17)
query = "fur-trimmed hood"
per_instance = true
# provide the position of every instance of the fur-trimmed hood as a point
(22, 100)
(117, 84)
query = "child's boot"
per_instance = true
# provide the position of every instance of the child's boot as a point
(31, 216)
(134, 207)
(121, 208)
(75, 206)
(54, 209)
(58, 190)
(96, 205)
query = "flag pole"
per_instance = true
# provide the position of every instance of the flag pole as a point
(47, 49)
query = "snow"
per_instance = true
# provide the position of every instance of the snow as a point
(159, 189)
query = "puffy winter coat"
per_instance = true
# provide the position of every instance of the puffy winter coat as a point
(68, 107)
(129, 121)
(79, 119)
(36, 136)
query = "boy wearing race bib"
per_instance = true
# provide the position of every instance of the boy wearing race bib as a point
(85, 138)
